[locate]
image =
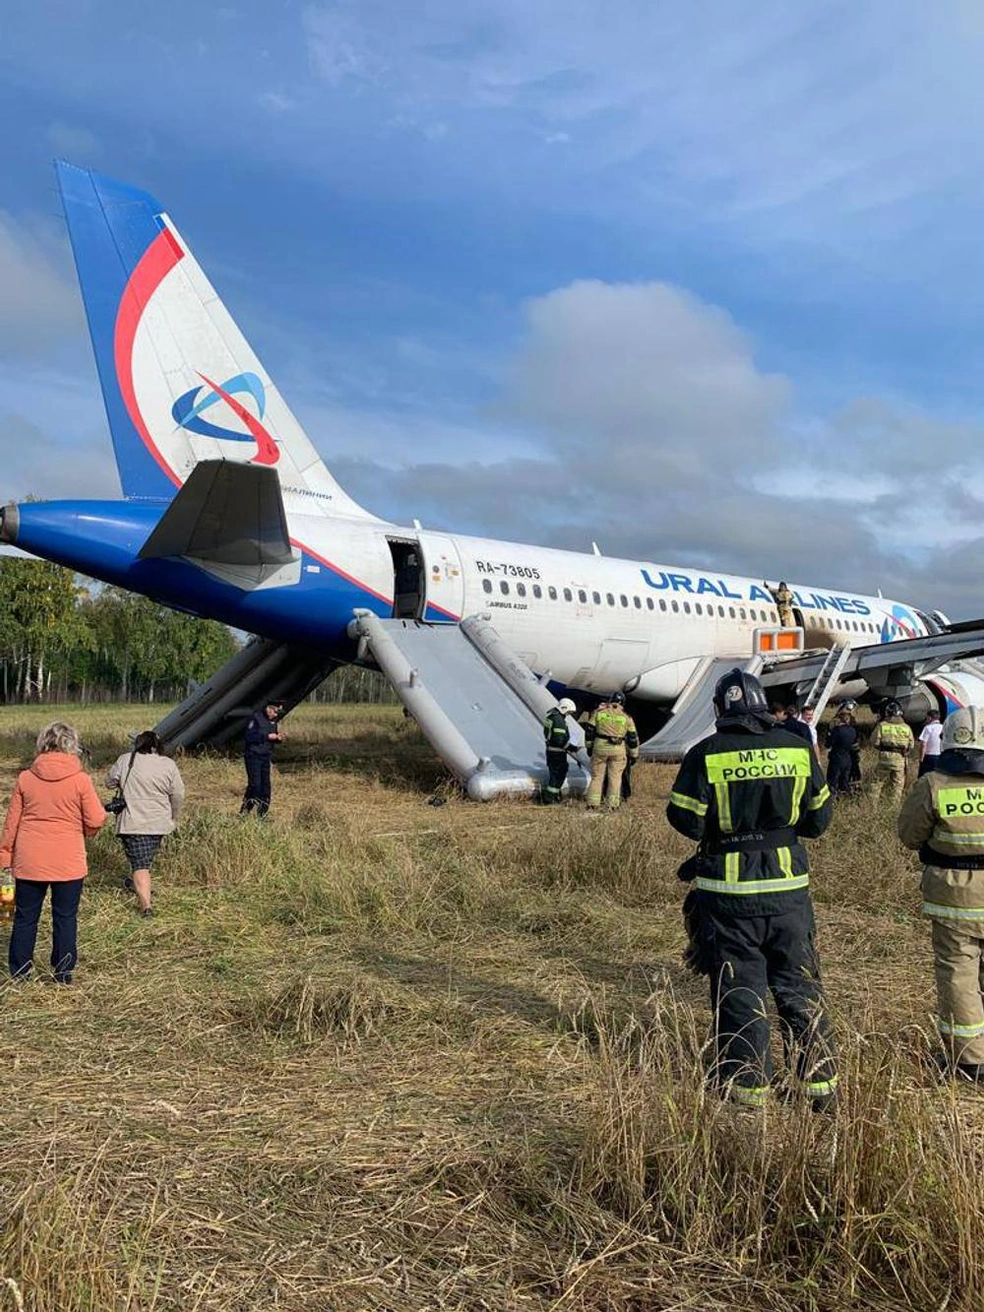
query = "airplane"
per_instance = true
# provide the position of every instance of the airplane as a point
(230, 513)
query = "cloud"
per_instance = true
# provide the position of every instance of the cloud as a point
(661, 381)
(39, 305)
(278, 103)
(651, 429)
(74, 142)
(35, 465)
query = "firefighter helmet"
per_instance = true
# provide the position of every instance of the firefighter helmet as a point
(566, 706)
(739, 693)
(964, 729)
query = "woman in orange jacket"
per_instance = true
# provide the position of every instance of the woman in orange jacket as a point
(53, 810)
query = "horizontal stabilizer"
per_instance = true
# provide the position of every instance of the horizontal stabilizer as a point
(226, 514)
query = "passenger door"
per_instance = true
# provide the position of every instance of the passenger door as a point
(444, 580)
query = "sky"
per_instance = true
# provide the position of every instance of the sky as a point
(699, 282)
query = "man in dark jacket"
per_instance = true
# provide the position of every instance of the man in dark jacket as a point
(262, 732)
(747, 795)
(842, 739)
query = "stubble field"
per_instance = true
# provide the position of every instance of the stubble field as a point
(377, 1054)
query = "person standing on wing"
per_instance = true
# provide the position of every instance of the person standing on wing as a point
(747, 795)
(784, 604)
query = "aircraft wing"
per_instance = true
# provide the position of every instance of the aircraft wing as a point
(888, 665)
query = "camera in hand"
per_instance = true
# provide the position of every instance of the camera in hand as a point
(115, 805)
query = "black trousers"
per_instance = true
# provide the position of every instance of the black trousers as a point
(927, 764)
(29, 899)
(749, 957)
(557, 765)
(839, 772)
(257, 785)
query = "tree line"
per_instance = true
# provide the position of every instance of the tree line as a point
(64, 638)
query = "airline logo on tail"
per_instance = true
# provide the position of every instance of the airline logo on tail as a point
(188, 409)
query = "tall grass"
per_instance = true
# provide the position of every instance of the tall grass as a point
(375, 1054)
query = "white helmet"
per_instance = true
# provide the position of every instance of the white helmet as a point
(964, 729)
(566, 706)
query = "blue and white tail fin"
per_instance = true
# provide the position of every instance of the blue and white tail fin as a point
(180, 382)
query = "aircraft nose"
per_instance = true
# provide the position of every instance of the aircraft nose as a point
(9, 523)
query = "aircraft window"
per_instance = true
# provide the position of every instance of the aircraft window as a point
(698, 608)
(521, 589)
(568, 595)
(581, 595)
(741, 611)
(537, 590)
(596, 598)
(504, 587)
(610, 599)
(637, 603)
(552, 593)
(721, 611)
(623, 599)
(486, 585)
(649, 603)
(752, 615)
(676, 607)
(731, 611)
(662, 603)
(686, 608)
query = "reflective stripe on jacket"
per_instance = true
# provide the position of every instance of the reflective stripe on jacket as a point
(615, 726)
(740, 794)
(556, 734)
(945, 812)
(893, 735)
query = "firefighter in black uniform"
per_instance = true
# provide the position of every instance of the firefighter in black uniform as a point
(748, 794)
(262, 732)
(558, 740)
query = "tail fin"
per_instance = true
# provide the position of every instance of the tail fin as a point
(180, 382)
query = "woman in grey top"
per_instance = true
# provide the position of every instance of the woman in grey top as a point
(153, 791)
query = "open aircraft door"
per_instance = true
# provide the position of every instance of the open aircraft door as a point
(444, 579)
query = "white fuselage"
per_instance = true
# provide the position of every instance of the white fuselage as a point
(594, 622)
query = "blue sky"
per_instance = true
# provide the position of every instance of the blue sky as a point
(702, 282)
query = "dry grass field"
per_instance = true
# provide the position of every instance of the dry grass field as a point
(376, 1054)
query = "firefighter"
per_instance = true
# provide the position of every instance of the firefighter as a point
(611, 739)
(893, 741)
(784, 603)
(748, 794)
(558, 740)
(943, 816)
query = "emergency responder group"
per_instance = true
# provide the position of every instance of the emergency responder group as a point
(610, 741)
